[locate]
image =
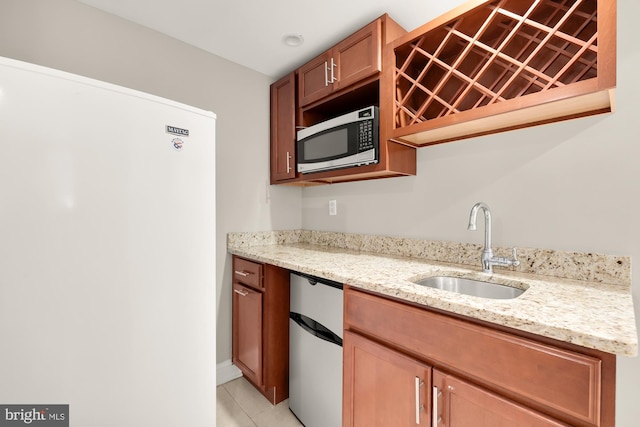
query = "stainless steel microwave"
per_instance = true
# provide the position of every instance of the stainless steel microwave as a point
(345, 141)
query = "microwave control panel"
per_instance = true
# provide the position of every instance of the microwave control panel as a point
(365, 135)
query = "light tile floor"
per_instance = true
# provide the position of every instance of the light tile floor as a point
(239, 404)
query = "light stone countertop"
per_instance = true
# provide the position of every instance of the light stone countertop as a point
(586, 313)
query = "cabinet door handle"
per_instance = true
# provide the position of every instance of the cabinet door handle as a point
(288, 164)
(242, 273)
(435, 419)
(243, 293)
(333, 75)
(419, 407)
(326, 74)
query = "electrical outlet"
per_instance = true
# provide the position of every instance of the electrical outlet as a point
(333, 207)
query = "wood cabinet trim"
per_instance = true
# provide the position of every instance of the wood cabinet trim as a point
(276, 333)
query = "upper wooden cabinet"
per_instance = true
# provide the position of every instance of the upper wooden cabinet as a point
(355, 58)
(489, 66)
(306, 97)
(283, 129)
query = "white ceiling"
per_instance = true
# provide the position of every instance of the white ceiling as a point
(250, 32)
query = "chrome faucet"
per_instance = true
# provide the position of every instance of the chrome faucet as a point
(488, 260)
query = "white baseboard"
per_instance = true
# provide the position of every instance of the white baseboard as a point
(226, 371)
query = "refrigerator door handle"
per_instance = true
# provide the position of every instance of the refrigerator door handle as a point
(315, 328)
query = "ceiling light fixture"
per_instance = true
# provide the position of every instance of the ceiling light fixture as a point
(293, 40)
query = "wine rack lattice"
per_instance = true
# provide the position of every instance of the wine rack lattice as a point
(499, 51)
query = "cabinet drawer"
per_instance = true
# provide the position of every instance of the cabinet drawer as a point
(555, 380)
(247, 272)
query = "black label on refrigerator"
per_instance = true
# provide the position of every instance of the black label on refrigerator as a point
(177, 131)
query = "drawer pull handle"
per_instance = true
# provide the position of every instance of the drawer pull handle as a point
(243, 293)
(242, 273)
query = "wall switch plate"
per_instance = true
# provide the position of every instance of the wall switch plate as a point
(333, 207)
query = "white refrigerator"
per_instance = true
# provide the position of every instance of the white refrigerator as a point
(107, 251)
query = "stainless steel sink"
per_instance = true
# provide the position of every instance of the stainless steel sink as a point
(472, 287)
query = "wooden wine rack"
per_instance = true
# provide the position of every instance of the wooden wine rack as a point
(502, 64)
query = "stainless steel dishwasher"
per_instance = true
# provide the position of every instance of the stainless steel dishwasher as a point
(315, 351)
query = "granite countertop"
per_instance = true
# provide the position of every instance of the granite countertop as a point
(589, 313)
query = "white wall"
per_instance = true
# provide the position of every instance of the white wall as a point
(70, 36)
(571, 186)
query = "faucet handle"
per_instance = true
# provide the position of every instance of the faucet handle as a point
(515, 261)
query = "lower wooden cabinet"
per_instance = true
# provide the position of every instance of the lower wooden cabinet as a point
(261, 326)
(458, 403)
(382, 387)
(407, 365)
(386, 388)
